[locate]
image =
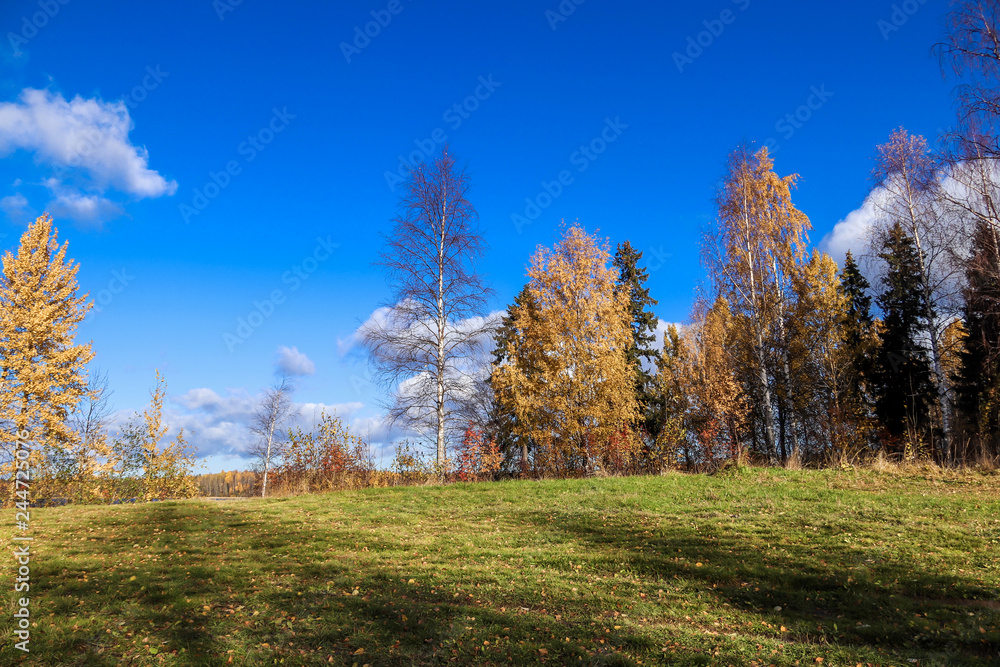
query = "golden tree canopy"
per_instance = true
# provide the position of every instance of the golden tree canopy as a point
(569, 381)
(43, 371)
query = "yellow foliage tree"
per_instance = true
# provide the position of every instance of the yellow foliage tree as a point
(822, 366)
(568, 381)
(42, 371)
(752, 256)
(718, 413)
(141, 466)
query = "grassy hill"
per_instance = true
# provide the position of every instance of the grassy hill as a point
(746, 567)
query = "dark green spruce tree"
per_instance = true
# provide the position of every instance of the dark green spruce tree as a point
(859, 327)
(633, 279)
(979, 373)
(904, 393)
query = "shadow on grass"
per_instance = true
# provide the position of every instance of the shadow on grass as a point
(827, 594)
(302, 599)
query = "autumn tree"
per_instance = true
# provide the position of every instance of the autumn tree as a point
(717, 411)
(420, 349)
(670, 401)
(510, 345)
(143, 464)
(822, 365)
(907, 195)
(751, 256)
(274, 408)
(632, 278)
(42, 370)
(570, 383)
(328, 457)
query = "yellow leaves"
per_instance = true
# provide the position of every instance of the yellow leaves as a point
(568, 380)
(39, 313)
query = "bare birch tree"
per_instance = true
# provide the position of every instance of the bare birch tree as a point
(908, 191)
(93, 413)
(970, 48)
(423, 347)
(273, 410)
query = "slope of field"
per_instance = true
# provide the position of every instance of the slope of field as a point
(746, 567)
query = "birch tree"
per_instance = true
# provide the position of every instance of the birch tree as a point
(423, 347)
(752, 255)
(908, 194)
(273, 410)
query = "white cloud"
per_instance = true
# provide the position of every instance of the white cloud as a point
(219, 425)
(852, 233)
(93, 209)
(16, 207)
(353, 342)
(85, 141)
(383, 317)
(293, 363)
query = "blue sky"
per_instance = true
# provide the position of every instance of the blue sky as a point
(247, 149)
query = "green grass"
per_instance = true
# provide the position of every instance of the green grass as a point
(747, 567)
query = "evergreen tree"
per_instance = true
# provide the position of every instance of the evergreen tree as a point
(904, 391)
(42, 371)
(979, 373)
(859, 337)
(632, 278)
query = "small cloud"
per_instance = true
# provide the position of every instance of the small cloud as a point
(293, 363)
(91, 209)
(16, 207)
(852, 233)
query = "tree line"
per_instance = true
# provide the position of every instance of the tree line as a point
(787, 357)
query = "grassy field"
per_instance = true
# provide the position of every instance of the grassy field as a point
(744, 568)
